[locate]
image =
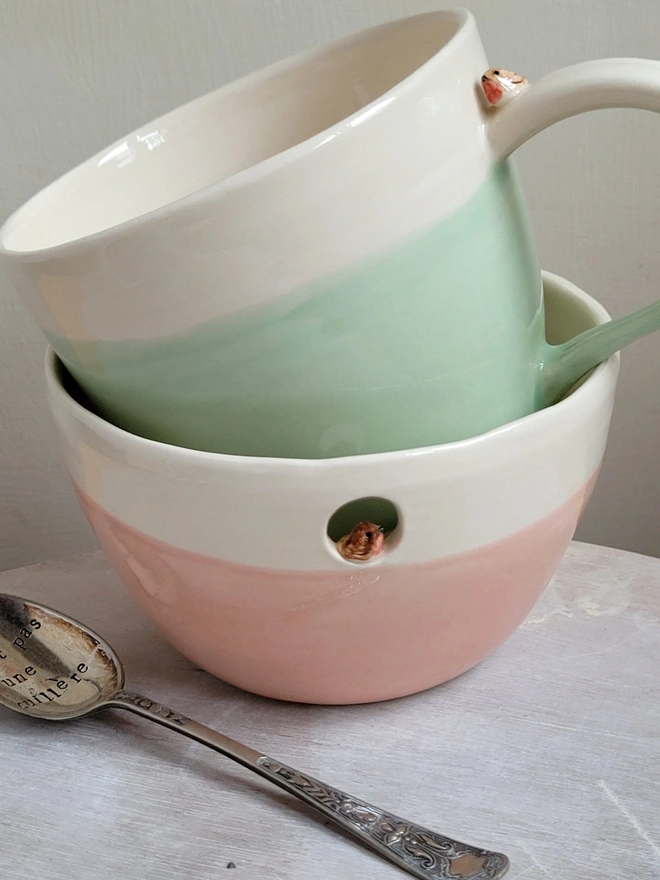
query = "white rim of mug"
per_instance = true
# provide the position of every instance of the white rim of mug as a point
(263, 168)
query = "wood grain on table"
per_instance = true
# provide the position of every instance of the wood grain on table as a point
(548, 751)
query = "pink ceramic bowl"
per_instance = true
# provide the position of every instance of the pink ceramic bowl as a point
(231, 556)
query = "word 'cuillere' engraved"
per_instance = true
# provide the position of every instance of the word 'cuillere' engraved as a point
(153, 707)
(436, 855)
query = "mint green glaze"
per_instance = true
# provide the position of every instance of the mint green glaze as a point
(432, 342)
(438, 340)
(563, 365)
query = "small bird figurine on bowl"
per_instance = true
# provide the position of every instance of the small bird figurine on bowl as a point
(365, 541)
(500, 85)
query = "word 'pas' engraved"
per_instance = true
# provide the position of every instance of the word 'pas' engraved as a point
(25, 633)
(153, 708)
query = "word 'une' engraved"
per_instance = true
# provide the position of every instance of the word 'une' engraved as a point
(48, 695)
(153, 707)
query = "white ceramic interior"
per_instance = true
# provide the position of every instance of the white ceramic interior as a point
(228, 131)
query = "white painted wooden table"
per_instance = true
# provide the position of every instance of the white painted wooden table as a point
(549, 751)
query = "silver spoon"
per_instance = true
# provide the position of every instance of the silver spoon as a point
(54, 668)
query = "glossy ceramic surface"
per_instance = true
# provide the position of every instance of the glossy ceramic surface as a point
(328, 257)
(231, 558)
(356, 363)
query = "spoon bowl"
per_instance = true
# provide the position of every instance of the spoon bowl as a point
(54, 668)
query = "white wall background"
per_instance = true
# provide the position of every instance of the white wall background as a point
(77, 74)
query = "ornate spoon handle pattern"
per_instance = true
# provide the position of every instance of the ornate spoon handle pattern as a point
(421, 852)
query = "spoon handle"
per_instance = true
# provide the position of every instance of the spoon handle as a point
(419, 851)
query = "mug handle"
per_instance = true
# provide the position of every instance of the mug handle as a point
(591, 85)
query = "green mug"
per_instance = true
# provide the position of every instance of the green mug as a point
(329, 257)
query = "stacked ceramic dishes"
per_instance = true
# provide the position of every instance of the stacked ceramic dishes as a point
(316, 397)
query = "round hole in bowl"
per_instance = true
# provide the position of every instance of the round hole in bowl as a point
(372, 509)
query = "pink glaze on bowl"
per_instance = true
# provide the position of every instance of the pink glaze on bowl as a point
(343, 636)
(230, 556)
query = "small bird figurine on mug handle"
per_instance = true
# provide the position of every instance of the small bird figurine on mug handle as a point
(500, 85)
